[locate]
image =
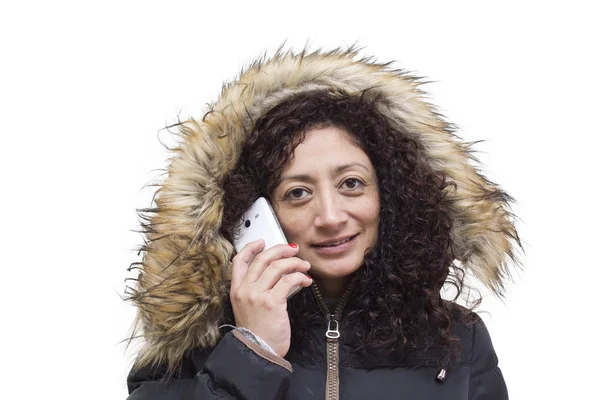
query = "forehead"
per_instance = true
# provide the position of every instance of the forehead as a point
(324, 148)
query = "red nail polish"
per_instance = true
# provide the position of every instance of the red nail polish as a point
(308, 276)
(294, 245)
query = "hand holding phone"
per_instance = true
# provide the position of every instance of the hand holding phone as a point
(260, 222)
(261, 281)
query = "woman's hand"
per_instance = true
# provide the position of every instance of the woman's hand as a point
(259, 292)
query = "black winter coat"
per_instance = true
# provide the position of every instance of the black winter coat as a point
(239, 369)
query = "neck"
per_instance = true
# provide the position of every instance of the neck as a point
(334, 288)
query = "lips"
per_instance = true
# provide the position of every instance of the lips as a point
(335, 242)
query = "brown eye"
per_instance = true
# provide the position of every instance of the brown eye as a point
(296, 194)
(352, 183)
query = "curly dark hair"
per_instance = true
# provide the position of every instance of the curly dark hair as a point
(396, 306)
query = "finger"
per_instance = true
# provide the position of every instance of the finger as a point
(287, 283)
(240, 263)
(272, 274)
(266, 257)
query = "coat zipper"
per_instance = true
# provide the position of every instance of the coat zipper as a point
(332, 386)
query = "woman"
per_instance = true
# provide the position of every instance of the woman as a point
(378, 200)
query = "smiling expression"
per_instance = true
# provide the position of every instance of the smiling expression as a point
(328, 203)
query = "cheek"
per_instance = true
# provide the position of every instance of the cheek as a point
(292, 224)
(371, 221)
(374, 216)
(369, 211)
(375, 207)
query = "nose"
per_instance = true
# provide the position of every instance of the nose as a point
(330, 212)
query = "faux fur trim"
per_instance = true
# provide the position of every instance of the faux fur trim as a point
(182, 285)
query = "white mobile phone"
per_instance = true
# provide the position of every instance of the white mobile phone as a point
(260, 222)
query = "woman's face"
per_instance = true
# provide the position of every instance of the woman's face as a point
(328, 203)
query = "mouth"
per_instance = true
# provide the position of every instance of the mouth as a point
(335, 241)
(335, 245)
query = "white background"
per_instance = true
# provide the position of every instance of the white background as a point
(86, 86)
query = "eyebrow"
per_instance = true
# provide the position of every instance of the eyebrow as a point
(336, 171)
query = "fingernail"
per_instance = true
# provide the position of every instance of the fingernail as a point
(294, 245)
(308, 276)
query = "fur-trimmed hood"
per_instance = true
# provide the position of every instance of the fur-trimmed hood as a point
(183, 279)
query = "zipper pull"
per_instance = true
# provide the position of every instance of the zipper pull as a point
(333, 331)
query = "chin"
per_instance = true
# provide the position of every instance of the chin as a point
(334, 269)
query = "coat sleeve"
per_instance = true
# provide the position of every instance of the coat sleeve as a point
(486, 381)
(235, 369)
